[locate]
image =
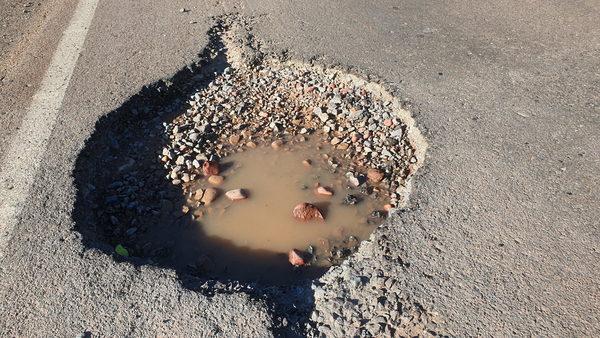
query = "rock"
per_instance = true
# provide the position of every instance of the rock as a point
(335, 140)
(320, 114)
(307, 212)
(307, 163)
(234, 139)
(198, 195)
(277, 144)
(375, 175)
(236, 194)
(210, 194)
(251, 144)
(387, 123)
(397, 133)
(353, 180)
(216, 179)
(350, 200)
(297, 257)
(210, 168)
(324, 191)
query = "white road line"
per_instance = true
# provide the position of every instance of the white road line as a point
(22, 158)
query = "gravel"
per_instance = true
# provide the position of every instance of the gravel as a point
(263, 103)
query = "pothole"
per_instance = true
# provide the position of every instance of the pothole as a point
(281, 133)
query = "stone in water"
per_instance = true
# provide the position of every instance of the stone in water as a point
(324, 191)
(276, 145)
(236, 195)
(216, 179)
(296, 257)
(210, 195)
(307, 212)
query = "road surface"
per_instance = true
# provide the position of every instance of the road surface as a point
(502, 236)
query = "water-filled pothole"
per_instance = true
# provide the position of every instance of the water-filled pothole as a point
(136, 173)
(250, 239)
(142, 181)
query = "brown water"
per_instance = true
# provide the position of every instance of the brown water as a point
(250, 239)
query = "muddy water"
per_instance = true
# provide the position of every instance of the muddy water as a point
(250, 239)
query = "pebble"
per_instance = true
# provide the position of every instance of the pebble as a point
(234, 139)
(236, 194)
(210, 168)
(198, 195)
(307, 163)
(350, 200)
(324, 191)
(251, 144)
(131, 231)
(210, 194)
(353, 180)
(277, 144)
(307, 212)
(375, 175)
(216, 179)
(296, 257)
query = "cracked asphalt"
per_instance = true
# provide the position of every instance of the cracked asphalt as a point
(502, 235)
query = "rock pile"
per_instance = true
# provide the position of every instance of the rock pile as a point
(253, 105)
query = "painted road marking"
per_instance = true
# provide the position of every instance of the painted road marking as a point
(22, 158)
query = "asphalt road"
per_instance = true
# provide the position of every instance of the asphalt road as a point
(502, 238)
